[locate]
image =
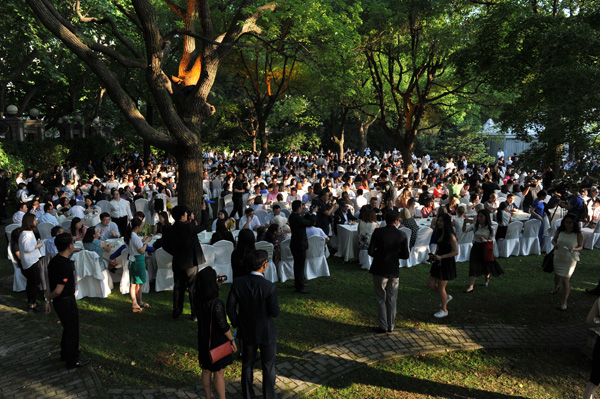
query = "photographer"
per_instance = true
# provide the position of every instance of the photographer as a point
(385, 186)
(575, 205)
(325, 208)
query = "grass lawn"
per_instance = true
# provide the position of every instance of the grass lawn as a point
(150, 349)
(493, 374)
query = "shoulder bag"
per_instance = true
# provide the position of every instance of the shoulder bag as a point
(548, 262)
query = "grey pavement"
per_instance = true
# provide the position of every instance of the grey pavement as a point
(30, 368)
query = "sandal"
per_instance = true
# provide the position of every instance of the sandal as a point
(144, 305)
(555, 290)
(137, 310)
(486, 283)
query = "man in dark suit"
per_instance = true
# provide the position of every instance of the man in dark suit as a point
(181, 241)
(251, 306)
(299, 241)
(342, 216)
(389, 207)
(388, 246)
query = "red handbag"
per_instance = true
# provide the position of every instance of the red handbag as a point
(219, 352)
(488, 251)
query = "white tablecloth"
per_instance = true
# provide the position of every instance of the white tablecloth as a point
(347, 242)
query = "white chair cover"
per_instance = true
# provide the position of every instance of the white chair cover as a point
(125, 283)
(222, 262)
(209, 256)
(142, 205)
(44, 230)
(408, 232)
(316, 262)
(19, 280)
(547, 247)
(286, 265)
(91, 219)
(93, 280)
(418, 253)
(9, 229)
(271, 272)
(104, 205)
(590, 236)
(530, 243)
(228, 203)
(286, 213)
(464, 241)
(261, 214)
(510, 246)
(216, 188)
(164, 270)
(66, 225)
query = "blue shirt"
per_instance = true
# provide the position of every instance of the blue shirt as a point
(48, 218)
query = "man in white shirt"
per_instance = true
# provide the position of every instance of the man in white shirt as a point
(249, 221)
(120, 211)
(316, 231)
(500, 153)
(107, 228)
(18, 215)
(112, 183)
(76, 210)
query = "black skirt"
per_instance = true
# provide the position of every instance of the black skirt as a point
(478, 267)
(444, 270)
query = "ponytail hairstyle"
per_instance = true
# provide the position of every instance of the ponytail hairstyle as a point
(135, 222)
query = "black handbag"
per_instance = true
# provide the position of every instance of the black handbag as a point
(548, 262)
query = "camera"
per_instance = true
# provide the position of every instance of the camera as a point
(430, 258)
(221, 279)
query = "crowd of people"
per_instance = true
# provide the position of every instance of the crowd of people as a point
(306, 195)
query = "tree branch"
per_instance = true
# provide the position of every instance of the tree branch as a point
(107, 20)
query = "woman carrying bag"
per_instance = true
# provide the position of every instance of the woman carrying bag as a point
(481, 260)
(213, 331)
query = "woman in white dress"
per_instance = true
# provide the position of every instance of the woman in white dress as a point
(568, 242)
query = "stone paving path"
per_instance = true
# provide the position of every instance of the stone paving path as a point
(30, 368)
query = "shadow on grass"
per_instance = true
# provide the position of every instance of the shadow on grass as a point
(427, 388)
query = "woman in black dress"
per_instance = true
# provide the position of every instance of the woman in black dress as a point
(443, 268)
(211, 310)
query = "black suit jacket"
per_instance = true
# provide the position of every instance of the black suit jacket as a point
(338, 218)
(251, 306)
(298, 225)
(181, 241)
(388, 246)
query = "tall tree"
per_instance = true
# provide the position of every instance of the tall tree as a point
(181, 97)
(409, 46)
(545, 55)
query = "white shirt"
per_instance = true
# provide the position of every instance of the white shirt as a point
(29, 253)
(254, 223)
(135, 243)
(119, 209)
(77, 211)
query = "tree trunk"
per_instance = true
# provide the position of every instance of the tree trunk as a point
(190, 165)
(254, 142)
(362, 136)
(407, 152)
(340, 141)
(264, 143)
(150, 119)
